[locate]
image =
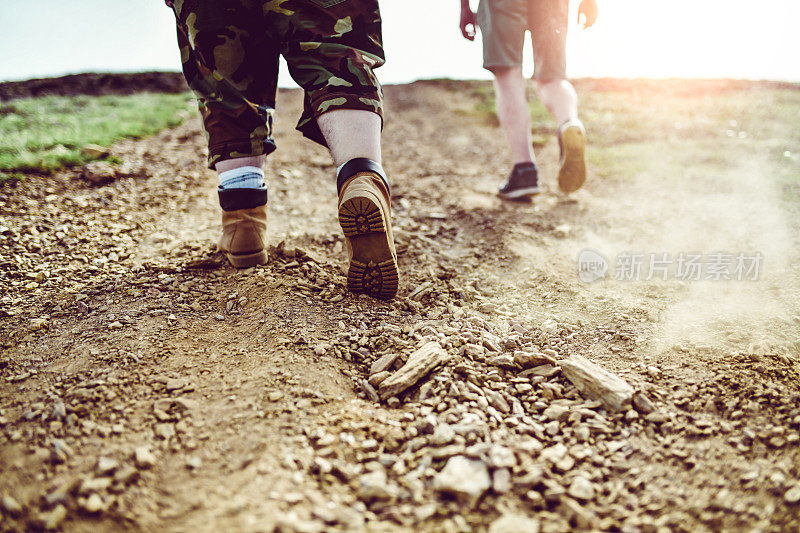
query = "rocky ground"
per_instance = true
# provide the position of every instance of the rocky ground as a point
(146, 385)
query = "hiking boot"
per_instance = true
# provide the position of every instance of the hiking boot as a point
(366, 220)
(572, 169)
(244, 226)
(522, 183)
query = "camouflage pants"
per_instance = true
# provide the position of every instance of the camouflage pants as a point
(230, 49)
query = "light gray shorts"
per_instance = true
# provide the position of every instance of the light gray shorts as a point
(503, 24)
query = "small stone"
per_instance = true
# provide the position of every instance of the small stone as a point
(38, 323)
(193, 463)
(501, 480)
(546, 371)
(556, 412)
(792, 495)
(219, 317)
(463, 477)
(52, 520)
(501, 457)
(93, 504)
(443, 434)
(374, 487)
(126, 475)
(94, 151)
(554, 453)
(581, 488)
(514, 523)
(532, 359)
(384, 363)
(10, 505)
(144, 457)
(92, 485)
(657, 417)
(105, 466)
(165, 431)
(642, 403)
(376, 379)
(275, 396)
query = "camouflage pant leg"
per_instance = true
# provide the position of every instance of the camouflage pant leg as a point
(231, 65)
(331, 48)
(229, 52)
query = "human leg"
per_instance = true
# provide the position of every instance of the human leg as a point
(334, 63)
(231, 66)
(549, 21)
(513, 112)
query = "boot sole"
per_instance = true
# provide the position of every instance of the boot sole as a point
(247, 260)
(572, 174)
(373, 269)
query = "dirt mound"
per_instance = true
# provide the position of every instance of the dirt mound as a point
(95, 84)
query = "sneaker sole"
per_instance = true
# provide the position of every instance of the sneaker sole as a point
(247, 260)
(519, 194)
(572, 174)
(373, 269)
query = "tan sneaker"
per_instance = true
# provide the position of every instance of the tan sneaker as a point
(244, 230)
(366, 220)
(572, 170)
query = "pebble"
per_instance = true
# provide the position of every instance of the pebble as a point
(105, 466)
(463, 477)
(443, 434)
(275, 396)
(144, 457)
(792, 495)
(52, 520)
(514, 523)
(581, 488)
(374, 487)
(10, 505)
(384, 363)
(556, 412)
(93, 504)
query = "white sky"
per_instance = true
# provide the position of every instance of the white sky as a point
(632, 38)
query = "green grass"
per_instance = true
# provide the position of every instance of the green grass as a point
(47, 133)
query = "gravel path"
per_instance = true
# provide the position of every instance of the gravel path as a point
(145, 385)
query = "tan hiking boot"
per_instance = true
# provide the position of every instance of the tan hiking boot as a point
(244, 230)
(366, 220)
(572, 169)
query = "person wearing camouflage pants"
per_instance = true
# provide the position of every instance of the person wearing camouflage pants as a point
(229, 52)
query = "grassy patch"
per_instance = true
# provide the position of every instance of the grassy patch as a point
(43, 134)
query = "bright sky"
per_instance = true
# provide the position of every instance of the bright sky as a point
(632, 38)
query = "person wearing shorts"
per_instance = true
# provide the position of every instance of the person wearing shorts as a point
(229, 52)
(503, 24)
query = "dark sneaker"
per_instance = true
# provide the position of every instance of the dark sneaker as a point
(522, 183)
(572, 142)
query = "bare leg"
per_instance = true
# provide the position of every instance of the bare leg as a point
(250, 161)
(559, 97)
(513, 112)
(352, 133)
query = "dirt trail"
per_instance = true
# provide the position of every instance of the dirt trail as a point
(148, 386)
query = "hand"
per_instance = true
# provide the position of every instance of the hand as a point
(588, 9)
(468, 22)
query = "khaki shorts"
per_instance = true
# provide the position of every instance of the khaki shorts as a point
(503, 24)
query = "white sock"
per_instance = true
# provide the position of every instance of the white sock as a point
(242, 178)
